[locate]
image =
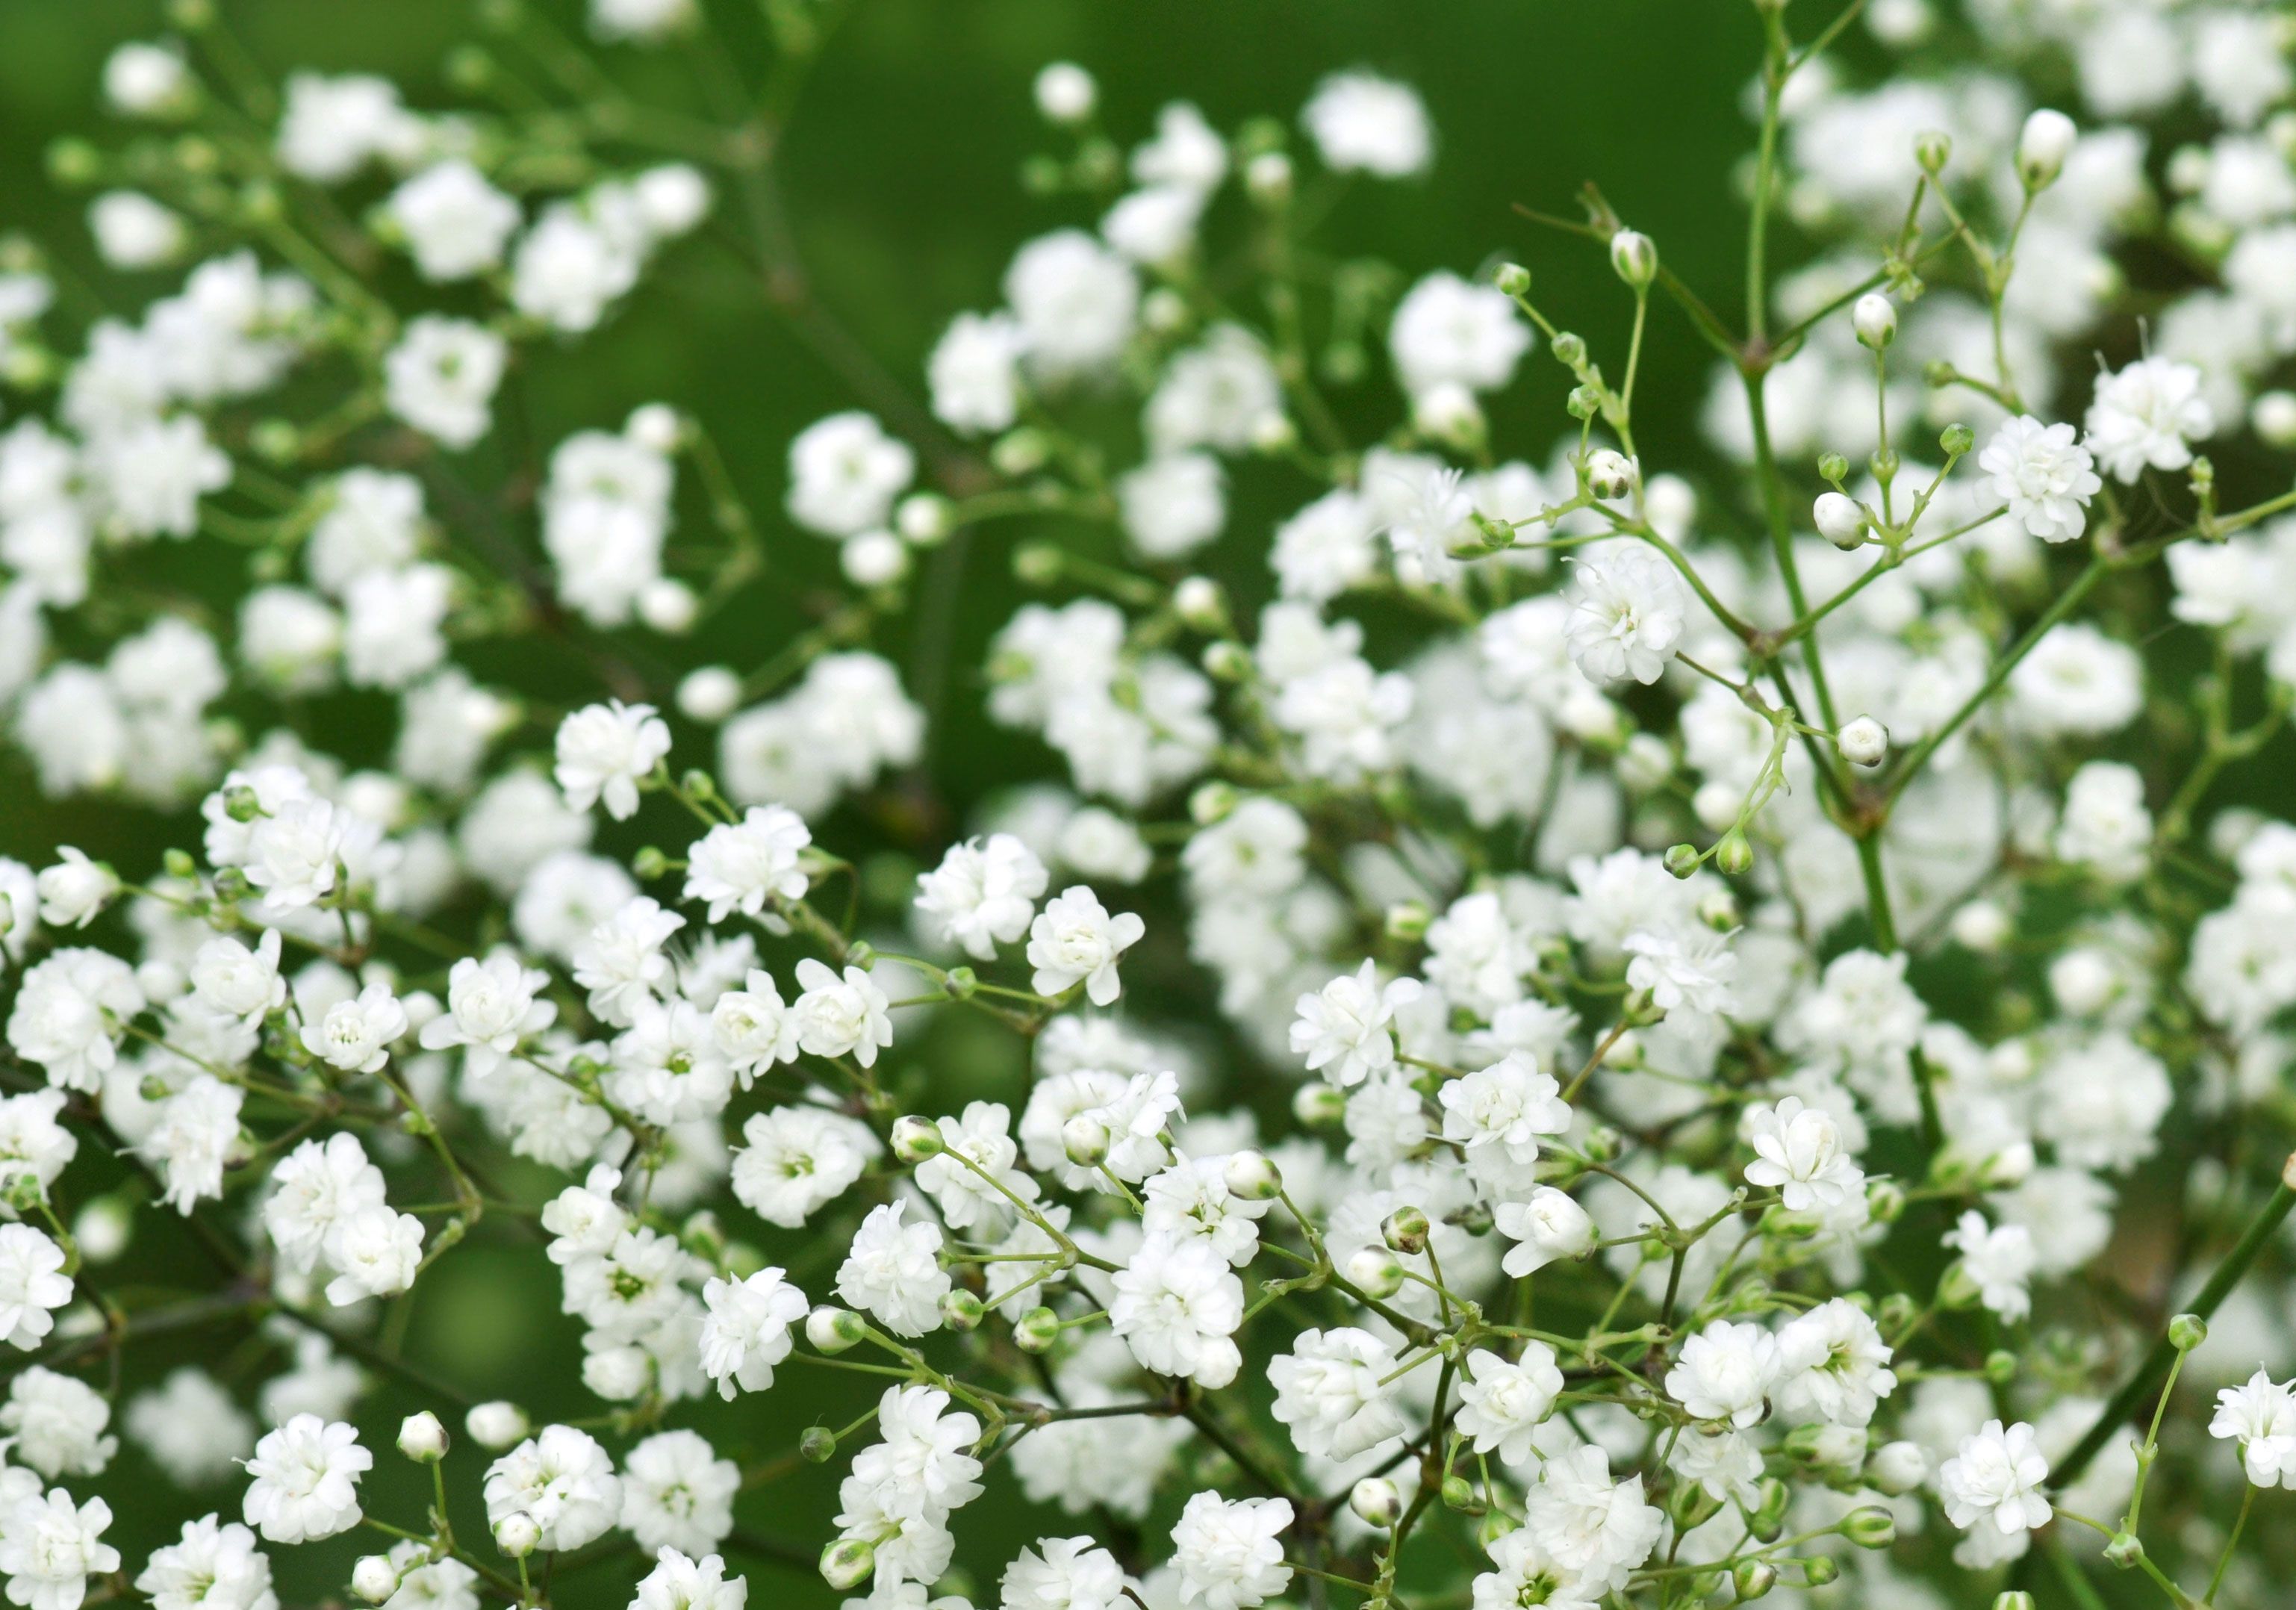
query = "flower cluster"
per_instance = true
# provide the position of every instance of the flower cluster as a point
(1567, 1032)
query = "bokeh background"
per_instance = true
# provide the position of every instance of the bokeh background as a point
(902, 177)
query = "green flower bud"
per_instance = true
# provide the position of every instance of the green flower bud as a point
(818, 1446)
(1957, 440)
(1406, 1230)
(960, 1309)
(1751, 1579)
(846, 1563)
(1870, 1526)
(2187, 1332)
(915, 1138)
(2124, 1551)
(1512, 278)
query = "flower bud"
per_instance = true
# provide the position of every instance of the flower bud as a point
(1863, 742)
(1840, 520)
(2001, 1367)
(1897, 1468)
(922, 519)
(1212, 802)
(1253, 1176)
(1734, 854)
(1319, 1106)
(915, 1138)
(1408, 920)
(2187, 1332)
(1876, 320)
(1268, 176)
(1956, 439)
(1832, 467)
(1085, 1138)
(497, 1425)
(1374, 1271)
(1570, 348)
(374, 1578)
(818, 1445)
(1513, 279)
(1870, 1526)
(2012, 1599)
(1681, 859)
(1376, 1501)
(831, 1329)
(516, 1534)
(2124, 1550)
(1692, 1505)
(420, 1438)
(1634, 257)
(1038, 1330)
(1885, 1201)
(1818, 1570)
(962, 1311)
(1932, 149)
(710, 695)
(1770, 1516)
(1406, 1230)
(2043, 145)
(1198, 601)
(1981, 926)
(1065, 94)
(1448, 413)
(1458, 1493)
(846, 1563)
(2273, 417)
(1609, 473)
(1751, 1579)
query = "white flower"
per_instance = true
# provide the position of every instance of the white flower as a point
(32, 1285)
(1329, 1390)
(1834, 1364)
(213, 1565)
(305, 1481)
(70, 1013)
(677, 1582)
(1502, 1403)
(975, 373)
(893, 1270)
(2042, 474)
(1528, 1575)
(1448, 332)
(742, 865)
(191, 1429)
(1683, 967)
(49, 1548)
(748, 1330)
(797, 1159)
(441, 376)
(983, 893)
(837, 1017)
(1545, 1228)
(1075, 940)
(1588, 1523)
(355, 1034)
(1798, 1150)
(563, 1482)
(1062, 1574)
(56, 1425)
(678, 1494)
(1498, 1115)
(313, 1187)
(621, 962)
(752, 1027)
(491, 1006)
(455, 222)
(294, 852)
(232, 979)
(375, 1251)
(1724, 1373)
(1628, 614)
(1227, 1551)
(1177, 1305)
(193, 1137)
(1342, 1031)
(844, 474)
(1996, 1478)
(666, 1066)
(1999, 1261)
(1363, 123)
(75, 891)
(1075, 301)
(606, 751)
(2261, 1418)
(2147, 414)
(1192, 1198)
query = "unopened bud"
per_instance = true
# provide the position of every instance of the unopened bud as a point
(1634, 256)
(818, 1445)
(2043, 145)
(832, 1330)
(2012, 1599)
(2187, 1332)
(1406, 1230)
(516, 1534)
(2001, 1367)
(1085, 1139)
(846, 1563)
(422, 1438)
(1253, 1176)
(1408, 920)
(1513, 279)
(1376, 1502)
(961, 1310)
(374, 1578)
(497, 1425)
(1897, 1468)
(1609, 474)
(1198, 601)
(2124, 1551)
(1818, 1570)
(1038, 1330)
(1682, 860)
(916, 1138)
(1932, 149)
(1876, 320)
(1863, 742)
(1751, 1579)
(1839, 520)
(1375, 1272)
(1957, 440)
(1870, 1526)
(1734, 854)
(1319, 1106)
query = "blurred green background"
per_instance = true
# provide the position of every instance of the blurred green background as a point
(901, 174)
